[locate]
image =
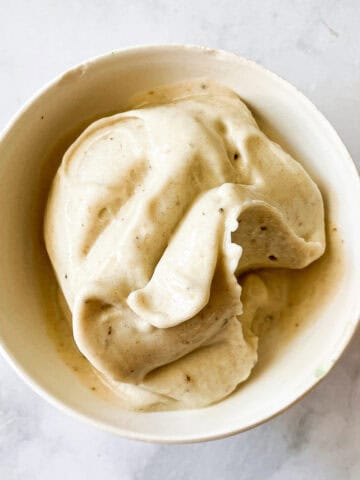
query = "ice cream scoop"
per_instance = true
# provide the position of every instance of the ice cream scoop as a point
(153, 214)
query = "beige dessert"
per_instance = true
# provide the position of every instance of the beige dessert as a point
(153, 216)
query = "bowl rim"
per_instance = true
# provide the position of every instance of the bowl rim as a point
(353, 323)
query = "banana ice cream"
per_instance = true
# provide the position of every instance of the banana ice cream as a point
(153, 217)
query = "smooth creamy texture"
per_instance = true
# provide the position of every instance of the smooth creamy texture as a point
(151, 215)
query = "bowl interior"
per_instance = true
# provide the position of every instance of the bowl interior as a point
(30, 152)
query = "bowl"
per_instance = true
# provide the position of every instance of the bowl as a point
(30, 151)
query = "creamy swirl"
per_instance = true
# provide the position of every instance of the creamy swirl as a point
(153, 214)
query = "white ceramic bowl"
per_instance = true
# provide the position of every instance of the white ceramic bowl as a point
(102, 86)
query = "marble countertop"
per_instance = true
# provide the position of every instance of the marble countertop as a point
(315, 45)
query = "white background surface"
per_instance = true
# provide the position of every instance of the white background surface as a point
(316, 46)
